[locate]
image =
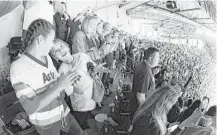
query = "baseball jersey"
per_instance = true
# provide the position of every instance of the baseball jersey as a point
(31, 77)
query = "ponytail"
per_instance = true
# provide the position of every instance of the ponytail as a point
(36, 28)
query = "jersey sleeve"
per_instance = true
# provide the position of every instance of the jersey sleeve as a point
(26, 95)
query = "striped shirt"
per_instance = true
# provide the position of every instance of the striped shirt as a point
(30, 77)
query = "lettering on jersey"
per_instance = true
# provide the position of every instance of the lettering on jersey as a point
(48, 77)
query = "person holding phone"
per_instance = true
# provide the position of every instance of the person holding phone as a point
(39, 87)
(81, 94)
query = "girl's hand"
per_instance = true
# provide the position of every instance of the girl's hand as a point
(68, 79)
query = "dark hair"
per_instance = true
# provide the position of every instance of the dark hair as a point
(211, 111)
(63, 3)
(188, 112)
(189, 103)
(196, 104)
(180, 102)
(36, 28)
(148, 52)
(157, 67)
(173, 81)
(90, 66)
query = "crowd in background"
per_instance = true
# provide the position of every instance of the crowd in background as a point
(183, 61)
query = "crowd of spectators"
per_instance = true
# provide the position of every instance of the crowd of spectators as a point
(183, 61)
(96, 50)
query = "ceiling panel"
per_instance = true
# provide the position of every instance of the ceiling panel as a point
(182, 20)
(8, 6)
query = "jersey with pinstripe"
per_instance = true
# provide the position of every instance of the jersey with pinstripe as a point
(29, 78)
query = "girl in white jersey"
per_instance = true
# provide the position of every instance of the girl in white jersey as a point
(37, 84)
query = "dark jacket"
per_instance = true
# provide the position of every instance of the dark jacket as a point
(62, 26)
(144, 126)
(143, 82)
(188, 112)
(173, 114)
(193, 131)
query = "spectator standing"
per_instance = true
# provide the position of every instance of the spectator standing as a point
(84, 40)
(143, 79)
(76, 23)
(62, 21)
(39, 87)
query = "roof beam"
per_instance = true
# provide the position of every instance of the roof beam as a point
(155, 6)
(149, 23)
(200, 18)
(141, 4)
(128, 11)
(187, 10)
(208, 23)
(153, 19)
(186, 17)
(122, 5)
(108, 5)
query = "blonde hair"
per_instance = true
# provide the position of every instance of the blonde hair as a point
(86, 22)
(157, 106)
(56, 41)
(105, 25)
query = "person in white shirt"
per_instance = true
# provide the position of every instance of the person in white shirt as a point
(39, 87)
(81, 94)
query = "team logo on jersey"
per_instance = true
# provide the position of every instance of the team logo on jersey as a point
(48, 77)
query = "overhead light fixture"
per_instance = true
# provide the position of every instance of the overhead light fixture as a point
(171, 4)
